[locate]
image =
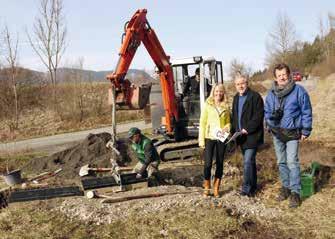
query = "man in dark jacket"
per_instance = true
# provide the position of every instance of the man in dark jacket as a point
(247, 118)
(288, 114)
(146, 153)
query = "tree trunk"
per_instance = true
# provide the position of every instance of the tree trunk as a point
(16, 122)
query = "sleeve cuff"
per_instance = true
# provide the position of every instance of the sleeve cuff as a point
(306, 132)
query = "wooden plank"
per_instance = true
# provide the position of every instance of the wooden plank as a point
(142, 196)
(44, 193)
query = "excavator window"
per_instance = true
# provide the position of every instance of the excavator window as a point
(179, 77)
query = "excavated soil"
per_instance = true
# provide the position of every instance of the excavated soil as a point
(92, 150)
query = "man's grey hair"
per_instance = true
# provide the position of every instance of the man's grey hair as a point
(240, 75)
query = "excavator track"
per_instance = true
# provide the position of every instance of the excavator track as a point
(178, 150)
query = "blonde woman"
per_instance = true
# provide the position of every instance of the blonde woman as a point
(214, 117)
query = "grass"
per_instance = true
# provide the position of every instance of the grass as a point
(16, 160)
(189, 222)
(35, 220)
(314, 219)
(323, 99)
(79, 107)
(47, 123)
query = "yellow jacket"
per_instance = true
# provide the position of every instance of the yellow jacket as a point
(212, 118)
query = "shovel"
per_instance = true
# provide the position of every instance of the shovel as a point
(86, 170)
(44, 176)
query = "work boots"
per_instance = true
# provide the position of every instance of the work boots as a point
(294, 200)
(283, 194)
(217, 182)
(207, 188)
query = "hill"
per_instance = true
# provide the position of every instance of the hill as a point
(100, 76)
(67, 74)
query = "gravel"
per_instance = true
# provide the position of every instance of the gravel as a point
(93, 211)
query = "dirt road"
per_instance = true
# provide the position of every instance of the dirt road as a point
(55, 143)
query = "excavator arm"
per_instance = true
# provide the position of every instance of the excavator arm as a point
(136, 31)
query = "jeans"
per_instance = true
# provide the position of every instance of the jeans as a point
(249, 171)
(214, 148)
(152, 168)
(288, 163)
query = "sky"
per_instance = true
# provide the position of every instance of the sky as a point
(223, 29)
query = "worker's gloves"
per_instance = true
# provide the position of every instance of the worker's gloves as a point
(138, 176)
(110, 144)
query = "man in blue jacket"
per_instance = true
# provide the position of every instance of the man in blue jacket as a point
(288, 114)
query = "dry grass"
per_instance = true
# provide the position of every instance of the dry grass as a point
(323, 102)
(16, 161)
(79, 106)
(34, 220)
(314, 219)
(325, 68)
(204, 222)
(210, 221)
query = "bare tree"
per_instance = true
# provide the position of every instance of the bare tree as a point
(11, 54)
(49, 37)
(73, 95)
(239, 68)
(327, 36)
(281, 39)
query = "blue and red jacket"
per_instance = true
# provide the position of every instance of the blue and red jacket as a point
(297, 110)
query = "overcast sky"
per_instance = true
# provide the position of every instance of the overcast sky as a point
(224, 29)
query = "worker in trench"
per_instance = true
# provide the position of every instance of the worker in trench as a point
(147, 155)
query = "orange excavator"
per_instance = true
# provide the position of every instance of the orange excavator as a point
(175, 124)
(139, 30)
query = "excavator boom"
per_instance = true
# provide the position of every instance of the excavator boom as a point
(139, 31)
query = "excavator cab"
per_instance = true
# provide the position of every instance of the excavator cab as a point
(189, 106)
(193, 79)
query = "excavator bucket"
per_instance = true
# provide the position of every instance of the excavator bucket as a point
(135, 97)
(139, 96)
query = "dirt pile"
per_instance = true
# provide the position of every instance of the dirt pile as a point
(92, 150)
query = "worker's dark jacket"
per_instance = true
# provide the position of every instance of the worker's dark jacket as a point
(145, 151)
(192, 87)
(251, 120)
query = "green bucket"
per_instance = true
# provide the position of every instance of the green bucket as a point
(308, 181)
